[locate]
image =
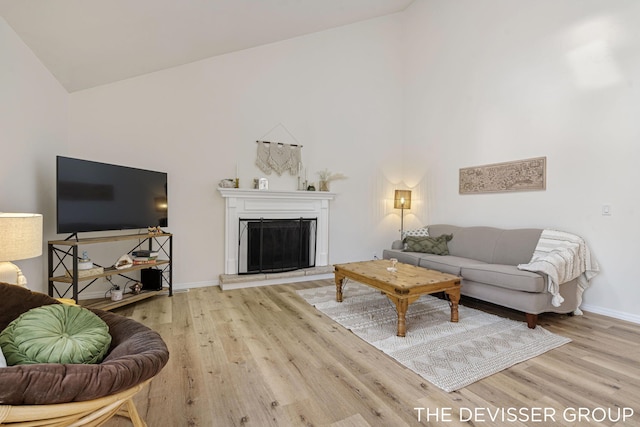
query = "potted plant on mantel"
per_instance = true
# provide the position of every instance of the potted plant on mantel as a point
(326, 177)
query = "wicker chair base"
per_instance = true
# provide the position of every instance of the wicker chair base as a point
(91, 413)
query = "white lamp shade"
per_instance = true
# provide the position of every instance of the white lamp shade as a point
(20, 236)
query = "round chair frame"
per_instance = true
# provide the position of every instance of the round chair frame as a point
(90, 413)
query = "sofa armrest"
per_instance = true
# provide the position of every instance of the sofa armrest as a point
(397, 244)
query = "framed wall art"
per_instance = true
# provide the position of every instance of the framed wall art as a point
(518, 175)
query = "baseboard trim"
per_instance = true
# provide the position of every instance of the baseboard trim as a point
(276, 281)
(91, 294)
(194, 285)
(621, 315)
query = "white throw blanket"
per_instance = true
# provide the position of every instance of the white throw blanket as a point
(563, 257)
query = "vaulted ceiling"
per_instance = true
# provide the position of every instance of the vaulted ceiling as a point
(87, 43)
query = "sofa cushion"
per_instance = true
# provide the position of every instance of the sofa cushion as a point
(474, 243)
(516, 246)
(405, 257)
(428, 245)
(504, 276)
(489, 244)
(446, 264)
(55, 333)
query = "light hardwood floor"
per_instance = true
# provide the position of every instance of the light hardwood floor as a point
(264, 357)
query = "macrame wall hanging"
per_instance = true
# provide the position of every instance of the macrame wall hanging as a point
(278, 157)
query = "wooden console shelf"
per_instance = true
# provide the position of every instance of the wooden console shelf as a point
(63, 258)
(107, 304)
(109, 272)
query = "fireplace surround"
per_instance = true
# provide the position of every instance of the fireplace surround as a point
(274, 204)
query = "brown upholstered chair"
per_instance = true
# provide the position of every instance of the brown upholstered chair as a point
(79, 394)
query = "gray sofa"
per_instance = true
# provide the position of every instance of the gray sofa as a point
(486, 259)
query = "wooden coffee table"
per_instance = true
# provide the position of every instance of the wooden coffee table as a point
(403, 286)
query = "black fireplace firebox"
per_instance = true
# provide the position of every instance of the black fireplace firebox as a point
(276, 245)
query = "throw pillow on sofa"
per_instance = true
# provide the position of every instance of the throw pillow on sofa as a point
(428, 245)
(55, 333)
(416, 232)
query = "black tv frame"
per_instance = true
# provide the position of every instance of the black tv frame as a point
(108, 196)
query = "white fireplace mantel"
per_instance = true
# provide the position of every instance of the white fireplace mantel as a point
(273, 204)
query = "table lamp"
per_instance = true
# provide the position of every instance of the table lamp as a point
(20, 238)
(402, 201)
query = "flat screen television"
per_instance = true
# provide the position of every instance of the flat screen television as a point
(94, 196)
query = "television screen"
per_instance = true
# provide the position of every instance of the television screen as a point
(93, 196)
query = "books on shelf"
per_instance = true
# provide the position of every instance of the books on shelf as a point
(144, 260)
(142, 253)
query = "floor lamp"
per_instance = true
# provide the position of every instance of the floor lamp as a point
(20, 238)
(402, 201)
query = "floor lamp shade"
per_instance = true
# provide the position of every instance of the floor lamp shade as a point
(20, 236)
(402, 199)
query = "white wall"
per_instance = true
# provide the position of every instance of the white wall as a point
(498, 80)
(411, 97)
(33, 126)
(339, 93)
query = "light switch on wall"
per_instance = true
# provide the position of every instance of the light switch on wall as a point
(606, 210)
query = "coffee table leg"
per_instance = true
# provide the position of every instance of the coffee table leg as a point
(339, 279)
(402, 304)
(454, 299)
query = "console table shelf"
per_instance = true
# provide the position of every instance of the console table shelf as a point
(63, 258)
(109, 272)
(107, 304)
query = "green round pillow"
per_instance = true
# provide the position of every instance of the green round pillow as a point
(55, 333)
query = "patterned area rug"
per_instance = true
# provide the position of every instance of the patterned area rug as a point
(449, 355)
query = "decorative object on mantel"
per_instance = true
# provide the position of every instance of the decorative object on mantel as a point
(326, 177)
(227, 183)
(518, 175)
(302, 183)
(402, 201)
